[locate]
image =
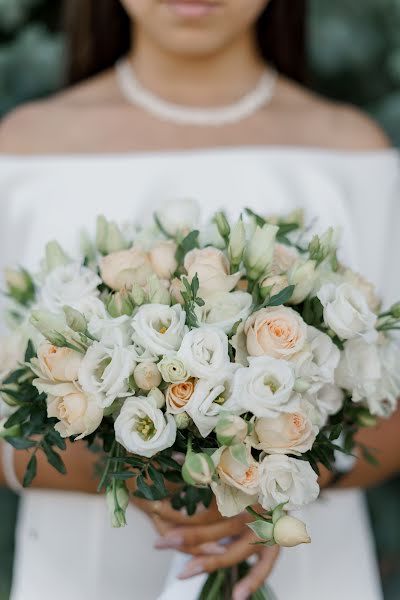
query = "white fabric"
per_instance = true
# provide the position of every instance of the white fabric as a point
(65, 547)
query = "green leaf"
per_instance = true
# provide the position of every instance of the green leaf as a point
(20, 443)
(335, 433)
(14, 377)
(18, 417)
(53, 458)
(144, 488)
(259, 220)
(29, 352)
(30, 472)
(54, 438)
(157, 478)
(190, 242)
(281, 298)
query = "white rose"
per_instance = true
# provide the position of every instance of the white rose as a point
(159, 328)
(346, 312)
(224, 309)
(204, 351)
(105, 372)
(210, 398)
(265, 388)
(173, 369)
(78, 413)
(290, 532)
(69, 285)
(369, 372)
(286, 480)
(162, 258)
(279, 332)
(143, 429)
(124, 268)
(213, 270)
(316, 365)
(288, 433)
(58, 364)
(179, 216)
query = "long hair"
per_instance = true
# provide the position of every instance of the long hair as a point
(99, 32)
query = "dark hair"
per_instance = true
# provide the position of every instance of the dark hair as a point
(99, 32)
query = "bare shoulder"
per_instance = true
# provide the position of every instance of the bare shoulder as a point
(54, 125)
(330, 124)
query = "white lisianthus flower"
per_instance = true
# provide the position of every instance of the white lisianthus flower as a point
(259, 251)
(370, 373)
(77, 412)
(288, 433)
(347, 313)
(286, 480)
(159, 328)
(224, 309)
(213, 270)
(265, 388)
(179, 216)
(209, 399)
(109, 331)
(204, 351)
(316, 364)
(279, 332)
(172, 369)
(142, 428)
(327, 401)
(70, 285)
(57, 364)
(104, 372)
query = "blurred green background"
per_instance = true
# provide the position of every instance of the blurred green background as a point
(354, 49)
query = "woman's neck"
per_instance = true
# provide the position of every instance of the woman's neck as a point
(219, 78)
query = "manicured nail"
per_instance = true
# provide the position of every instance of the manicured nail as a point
(213, 548)
(174, 540)
(191, 570)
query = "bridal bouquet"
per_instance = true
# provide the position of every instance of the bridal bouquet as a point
(230, 360)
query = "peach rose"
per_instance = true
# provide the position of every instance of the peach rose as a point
(178, 395)
(212, 268)
(284, 259)
(122, 269)
(162, 258)
(234, 472)
(58, 364)
(289, 433)
(275, 331)
(77, 412)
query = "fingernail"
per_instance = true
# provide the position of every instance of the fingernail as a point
(191, 570)
(169, 541)
(212, 548)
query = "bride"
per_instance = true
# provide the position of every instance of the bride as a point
(194, 108)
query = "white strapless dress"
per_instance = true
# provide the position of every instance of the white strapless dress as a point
(65, 546)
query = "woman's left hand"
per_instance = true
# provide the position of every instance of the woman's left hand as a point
(206, 536)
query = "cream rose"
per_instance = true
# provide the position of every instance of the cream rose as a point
(159, 328)
(288, 481)
(58, 364)
(179, 395)
(284, 259)
(212, 268)
(122, 269)
(162, 258)
(142, 428)
(276, 331)
(78, 413)
(288, 433)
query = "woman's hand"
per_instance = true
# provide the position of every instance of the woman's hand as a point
(206, 536)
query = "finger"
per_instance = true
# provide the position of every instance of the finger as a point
(162, 527)
(235, 553)
(165, 511)
(179, 537)
(257, 574)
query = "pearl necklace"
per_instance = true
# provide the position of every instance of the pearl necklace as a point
(135, 93)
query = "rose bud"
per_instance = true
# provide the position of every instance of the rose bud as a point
(117, 501)
(55, 256)
(158, 396)
(20, 285)
(147, 375)
(289, 532)
(182, 420)
(120, 304)
(270, 286)
(109, 237)
(222, 225)
(158, 292)
(231, 430)
(260, 251)
(198, 469)
(237, 244)
(75, 320)
(302, 276)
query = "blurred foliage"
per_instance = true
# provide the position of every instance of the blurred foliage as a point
(355, 57)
